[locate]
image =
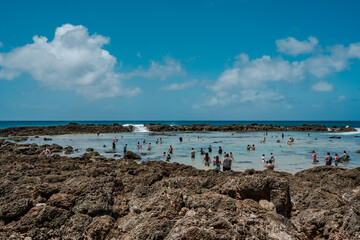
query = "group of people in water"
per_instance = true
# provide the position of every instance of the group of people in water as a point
(227, 158)
(329, 159)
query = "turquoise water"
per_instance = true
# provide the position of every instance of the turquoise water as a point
(289, 158)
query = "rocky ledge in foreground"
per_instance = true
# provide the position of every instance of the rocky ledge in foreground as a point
(108, 199)
(74, 128)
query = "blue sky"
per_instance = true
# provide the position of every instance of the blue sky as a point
(180, 60)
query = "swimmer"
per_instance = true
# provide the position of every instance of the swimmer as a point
(263, 158)
(253, 147)
(138, 145)
(149, 147)
(180, 139)
(157, 141)
(98, 133)
(168, 157)
(164, 154)
(160, 140)
(210, 149)
(248, 147)
(113, 145)
(115, 140)
(144, 141)
(220, 150)
(201, 151)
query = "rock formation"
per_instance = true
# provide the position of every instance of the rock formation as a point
(92, 197)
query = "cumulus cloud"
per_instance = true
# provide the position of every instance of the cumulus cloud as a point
(72, 60)
(75, 60)
(295, 47)
(322, 86)
(159, 70)
(248, 77)
(179, 86)
(255, 73)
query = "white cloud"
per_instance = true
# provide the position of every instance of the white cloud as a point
(157, 70)
(295, 47)
(1, 44)
(354, 50)
(73, 60)
(255, 95)
(179, 86)
(254, 73)
(322, 86)
(341, 98)
(249, 78)
(139, 55)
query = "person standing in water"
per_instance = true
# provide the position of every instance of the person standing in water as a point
(336, 159)
(231, 156)
(314, 157)
(138, 145)
(125, 149)
(171, 149)
(220, 151)
(217, 163)
(113, 145)
(149, 147)
(160, 140)
(207, 159)
(328, 159)
(272, 157)
(192, 153)
(210, 149)
(115, 140)
(180, 139)
(227, 162)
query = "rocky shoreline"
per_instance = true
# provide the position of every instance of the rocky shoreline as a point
(93, 197)
(74, 128)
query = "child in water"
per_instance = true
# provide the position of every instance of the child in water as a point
(263, 158)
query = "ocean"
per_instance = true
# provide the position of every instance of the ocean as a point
(7, 124)
(290, 158)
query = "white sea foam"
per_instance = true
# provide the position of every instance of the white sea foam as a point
(349, 133)
(138, 127)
